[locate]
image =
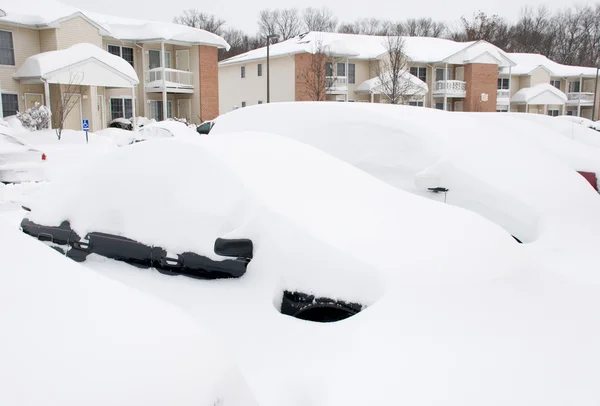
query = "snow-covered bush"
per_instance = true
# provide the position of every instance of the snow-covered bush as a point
(35, 118)
(178, 119)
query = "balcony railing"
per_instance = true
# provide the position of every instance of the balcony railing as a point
(503, 94)
(336, 83)
(173, 77)
(585, 97)
(451, 88)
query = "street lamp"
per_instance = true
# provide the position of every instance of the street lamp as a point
(269, 38)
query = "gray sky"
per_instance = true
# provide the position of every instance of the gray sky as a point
(243, 14)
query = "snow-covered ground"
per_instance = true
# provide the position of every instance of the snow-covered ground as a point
(334, 200)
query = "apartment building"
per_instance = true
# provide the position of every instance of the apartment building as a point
(455, 76)
(176, 65)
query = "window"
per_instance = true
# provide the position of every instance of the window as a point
(341, 69)
(439, 106)
(10, 104)
(243, 104)
(153, 59)
(553, 113)
(123, 52)
(503, 84)
(328, 69)
(121, 108)
(502, 110)
(555, 83)
(243, 72)
(156, 109)
(571, 113)
(260, 102)
(351, 73)
(7, 50)
(574, 87)
(439, 74)
(421, 73)
(420, 104)
(168, 59)
(259, 69)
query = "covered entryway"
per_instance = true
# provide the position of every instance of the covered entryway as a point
(32, 98)
(75, 73)
(411, 88)
(540, 97)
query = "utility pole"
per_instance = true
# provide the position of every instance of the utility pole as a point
(269, 38)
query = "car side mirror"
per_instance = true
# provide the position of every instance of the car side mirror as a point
(240, 247)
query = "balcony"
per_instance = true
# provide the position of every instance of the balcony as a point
(176, 81)
(336, 84)
(503, 97)
(586, 98)
(450, 88)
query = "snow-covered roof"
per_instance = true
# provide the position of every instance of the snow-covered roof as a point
(413, 84)
(50, 13)
(418, 49)
(526, 64)
(544, 93)
(82, 64)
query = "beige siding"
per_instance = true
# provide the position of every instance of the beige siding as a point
(233, 90)
(26, 43)
(48, 40)
(539, 76)
(362, 70)
(195, 68)
(77, 30)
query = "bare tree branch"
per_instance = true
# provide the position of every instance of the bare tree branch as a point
(318, 77)
(69, 96)
(321, 20)
(203, 21)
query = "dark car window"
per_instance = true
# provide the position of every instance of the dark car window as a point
(204, 128)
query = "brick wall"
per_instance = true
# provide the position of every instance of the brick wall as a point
(302, 65)
(209, 82)
(481, 78)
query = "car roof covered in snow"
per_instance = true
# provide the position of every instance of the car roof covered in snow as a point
(51, 13)
(368, 47)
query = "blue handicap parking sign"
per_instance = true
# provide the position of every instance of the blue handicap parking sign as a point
(85, 124)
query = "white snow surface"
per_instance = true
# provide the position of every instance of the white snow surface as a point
(527, 63)
(467, 153)
(412, 84)
(458, 312)
(46, 64)
(72, 337)
(49, 13)
(544, 93)
(165, 129)
(418, 49)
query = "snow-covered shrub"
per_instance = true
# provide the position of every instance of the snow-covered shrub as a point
(178, 119)
(35, 118)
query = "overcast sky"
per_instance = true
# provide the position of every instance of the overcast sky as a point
(243, 14)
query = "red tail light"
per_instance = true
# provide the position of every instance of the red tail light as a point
(43, 157)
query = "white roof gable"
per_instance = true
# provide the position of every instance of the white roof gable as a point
(415, 86)
(82, 64)
(526, 64)
(481, 52)
(543, 93)
(50, 13)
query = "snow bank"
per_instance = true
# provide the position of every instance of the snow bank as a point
(117, 136)
(72, 337)
(166, 129)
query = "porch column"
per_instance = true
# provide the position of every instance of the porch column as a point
(526, 107)
(164, 85)
(509, 85)
(445, 87)
(545, 109)
(563, 109)
(372, 97)
(47, 95)
(133, 108)
(579, 101)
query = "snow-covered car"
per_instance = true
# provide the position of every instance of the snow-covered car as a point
(586, 122)
(19, 162)
(205, 127)
(164, 129)
(427, 302)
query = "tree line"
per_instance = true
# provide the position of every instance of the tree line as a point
(570, 36)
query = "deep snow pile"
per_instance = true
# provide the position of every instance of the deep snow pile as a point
(71, 337)
(498, 169)
(165, 129)
(459, 313)
(117, 136)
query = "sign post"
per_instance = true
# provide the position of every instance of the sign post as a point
(85, 125)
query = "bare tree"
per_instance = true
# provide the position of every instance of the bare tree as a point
(424, 27)
(366, 26)
(321, 19)
(239, 43)
(318, 76)
(348, 28)
(69, 96)
(492, 29)
(285, 23)
(396, 84)
(203, 21)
